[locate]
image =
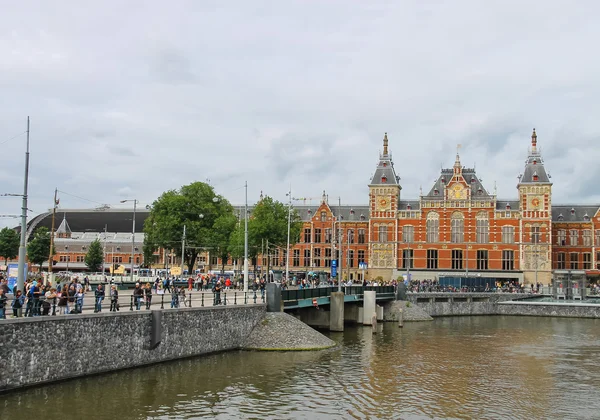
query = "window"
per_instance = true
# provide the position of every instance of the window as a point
(561, 261)
(407, 258)
(457, 228)
(81, 258)
(317, 257)
(535, 235)
(117, 260)
(328, 235)
(202, 259)
(597, 239)
(508, 260)
(457, 259)
(351, 258)
(573, 237)
(361, 236)
(432, 258)
(574, 260)
(508, 234)
(587, 261)
(482, 259)
(408, 234)
(323, 216)
(327, 257)
(561, 237)
(306, 258)
(587, 237)
(433, 227)
(361, 256)
(296, 258)
(482, 228)
(307, 235)
(350, 236)
(598, 261)
(317, 236)
(65, 258)
(275, 261)
(383, 233)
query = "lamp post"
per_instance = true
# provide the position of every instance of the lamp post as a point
(287, 251)
(22, 246)
(135, 201)
(246, 240)
(68, 258)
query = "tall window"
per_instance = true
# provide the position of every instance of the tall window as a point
(457, 259)
(296, 258)
(408, 234)
(482, 259)
(327, 257)
(598, 260)
(574, 260)
(573, 237)
(307, 258)
(307, 235)
(361, 256)
(508, 259)
(351, 258)
(587, 237)
(432, 258)
(482, 228)
(317, 236)
(328, 235)
(535, 235)
(407, 258)
(351, 236)
(383, 233)
(508, 234)
(323, 216)
(561, 261)
(598, 240)
(587, 261)
(561, 237)
(433, 227)
(317, 257)
(361, 236)
(457, 228)
(276, 257)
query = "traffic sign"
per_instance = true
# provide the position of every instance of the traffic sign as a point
(362, 266)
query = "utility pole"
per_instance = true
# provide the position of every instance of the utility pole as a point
(50, 259)
(246, 240)
(287, 251)
(133, 239)
(104, 254)
(22, 246)
(341, 241)
(182, 251)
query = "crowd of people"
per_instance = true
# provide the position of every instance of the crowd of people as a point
(511, 286)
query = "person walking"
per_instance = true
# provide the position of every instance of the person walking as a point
(114, 298)
(148, 295)
(99, 296)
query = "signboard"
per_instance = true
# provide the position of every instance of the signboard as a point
(363, 266)
(333, 268)
(13, 274)
(176, 271)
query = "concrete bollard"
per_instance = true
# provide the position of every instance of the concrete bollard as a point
(400, 318)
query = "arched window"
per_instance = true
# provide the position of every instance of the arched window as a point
(483, 228)
(433, 227)
(457, 226)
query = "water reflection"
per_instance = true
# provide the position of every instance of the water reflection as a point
(479, 367)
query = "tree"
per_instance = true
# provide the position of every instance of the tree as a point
(95, 256)
(208, 219)
(9, 244)
(38, 249)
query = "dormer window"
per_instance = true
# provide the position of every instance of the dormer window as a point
(473, 180)
(535, 176)
(507, 206)
(118, 248)
(83, 248)
(443, 180)
(572, 211)
(309, 211)
(480, 191)
(535, 161)
(362, 217)
(384, 164)
(384, 179)
(341, 217)
(323, 216)
(351, 211)
(586, 217)
(561, 217)
(408, 207)
(436, 192)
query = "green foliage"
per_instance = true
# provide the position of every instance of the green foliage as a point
(408, 304)
(148, 251)
(9, 244)
(208, 218)
(38, 249)
(95, 256)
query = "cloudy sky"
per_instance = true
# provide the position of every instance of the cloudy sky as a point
(131, 98)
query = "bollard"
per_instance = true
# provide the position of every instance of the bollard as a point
(254, 297)
(400, 318)
(245, 298)
(131, 304)
(162, 301)
(202, 299)
(54, 306)
(190, 300)
(224, 298)
(235, 298)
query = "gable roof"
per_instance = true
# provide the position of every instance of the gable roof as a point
(573, 213)
(470, 176)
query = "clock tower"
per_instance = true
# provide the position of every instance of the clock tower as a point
(384, 195)
(535, 205)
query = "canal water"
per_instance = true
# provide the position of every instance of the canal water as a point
(469, 367)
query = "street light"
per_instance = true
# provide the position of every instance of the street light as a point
(287, 251)
(135, 201)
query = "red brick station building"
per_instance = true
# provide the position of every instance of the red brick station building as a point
(457, 229)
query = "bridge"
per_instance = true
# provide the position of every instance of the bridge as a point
(321, 296)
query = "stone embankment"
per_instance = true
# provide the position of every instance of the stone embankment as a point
(279, 331)
(410, 312)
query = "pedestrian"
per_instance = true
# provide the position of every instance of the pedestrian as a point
(114, 298)
(174, 299)
(79, 300)
(17, 303)
(138, 292)
(3, 299)
(148, 295)
(99, 297)
(217, 293)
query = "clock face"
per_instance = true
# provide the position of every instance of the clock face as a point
(535, 202)
(382, 203)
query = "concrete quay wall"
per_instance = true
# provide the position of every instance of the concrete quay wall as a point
(40, 350)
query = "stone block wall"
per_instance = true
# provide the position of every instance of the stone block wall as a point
(47, 349)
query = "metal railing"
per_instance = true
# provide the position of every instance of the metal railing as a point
(319, 292)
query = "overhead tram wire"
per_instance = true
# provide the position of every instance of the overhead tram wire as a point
(12, 138)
